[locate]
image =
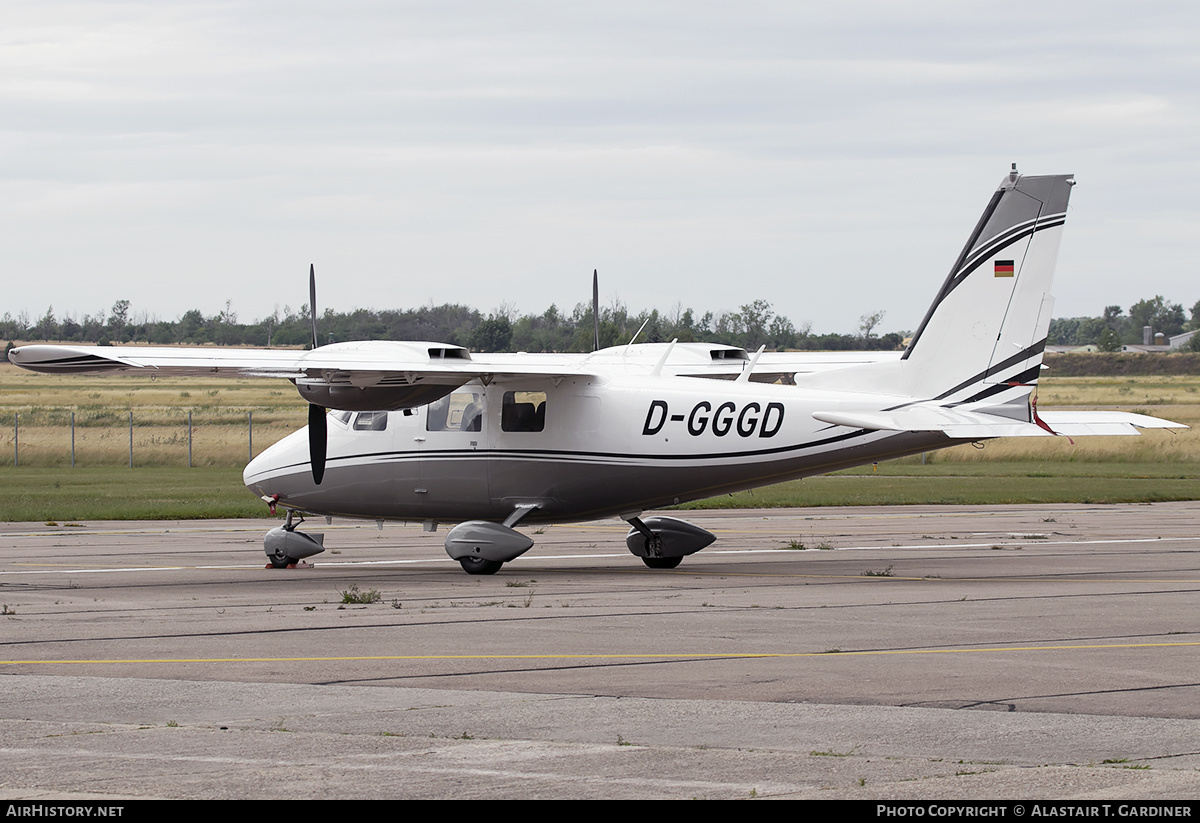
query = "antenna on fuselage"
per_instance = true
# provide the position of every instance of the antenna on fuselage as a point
(636, 334)
(744, 377)
(657, 370)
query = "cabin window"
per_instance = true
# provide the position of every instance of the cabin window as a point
(373, 421)
(459, 411)
(524, 411)
(342, 417)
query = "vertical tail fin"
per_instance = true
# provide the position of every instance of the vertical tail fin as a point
(987, 327)
(983, 337)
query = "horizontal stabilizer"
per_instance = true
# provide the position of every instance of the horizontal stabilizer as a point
(967, 425)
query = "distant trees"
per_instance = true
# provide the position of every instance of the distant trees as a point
(751, 325)
(493, 334)
(1114, 328)
(1159, 315)
(869, 321)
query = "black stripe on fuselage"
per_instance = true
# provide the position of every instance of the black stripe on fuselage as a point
(556, 454)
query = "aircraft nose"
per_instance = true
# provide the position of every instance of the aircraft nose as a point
(263, 474)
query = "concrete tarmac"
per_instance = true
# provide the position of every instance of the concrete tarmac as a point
(876, 652)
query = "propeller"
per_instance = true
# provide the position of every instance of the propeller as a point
(596, 309)
(312, 301)
(318, 429)
(318, 434)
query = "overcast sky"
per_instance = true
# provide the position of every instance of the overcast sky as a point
(827, 157)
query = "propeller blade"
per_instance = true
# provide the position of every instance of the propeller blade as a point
(318, 441)
(596, 308)
(312, 303)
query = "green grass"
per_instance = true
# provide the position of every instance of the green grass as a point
(158, 493)
(167, 493)
(356, 596)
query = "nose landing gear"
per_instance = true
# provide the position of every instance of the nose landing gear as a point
(287, 547)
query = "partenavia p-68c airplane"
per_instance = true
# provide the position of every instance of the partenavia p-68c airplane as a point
(431, 432)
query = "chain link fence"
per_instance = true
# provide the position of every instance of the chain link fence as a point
(102, 436)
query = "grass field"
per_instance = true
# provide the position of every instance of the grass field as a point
(156, 493)
(1159, 465)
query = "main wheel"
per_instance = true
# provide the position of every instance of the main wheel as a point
(477, 565)
(662, 562)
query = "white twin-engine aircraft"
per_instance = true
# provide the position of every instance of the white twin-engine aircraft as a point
(431, 432)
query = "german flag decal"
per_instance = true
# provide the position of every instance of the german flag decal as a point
(1004, 268)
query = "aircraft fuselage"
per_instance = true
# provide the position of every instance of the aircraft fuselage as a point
(581, 449)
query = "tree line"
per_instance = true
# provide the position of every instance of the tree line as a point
(751, 325)
(1114, 328)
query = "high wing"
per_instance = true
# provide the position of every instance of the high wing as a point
(365, 375)
(379, 357)
(391, 364)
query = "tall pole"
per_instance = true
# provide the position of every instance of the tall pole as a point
(16, 439)
(72, 439)
(189, 439)
(250, 435)
(131, 438)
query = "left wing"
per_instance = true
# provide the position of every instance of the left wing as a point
(365, 375)
(377, 356)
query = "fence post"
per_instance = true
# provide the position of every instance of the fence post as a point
(189, 439)
(250, 435)
(131, 438)
(72, 439)
(16, 439)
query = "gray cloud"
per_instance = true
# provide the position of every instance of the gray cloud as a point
(830, 159)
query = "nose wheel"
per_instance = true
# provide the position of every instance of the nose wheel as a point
(279, 560)
(662, 562)
(477, 565)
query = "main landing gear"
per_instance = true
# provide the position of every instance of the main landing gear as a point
(663, 542)
(482, 547)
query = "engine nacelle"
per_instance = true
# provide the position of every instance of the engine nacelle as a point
(672, 538)
(371, 398)
(486, 541)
